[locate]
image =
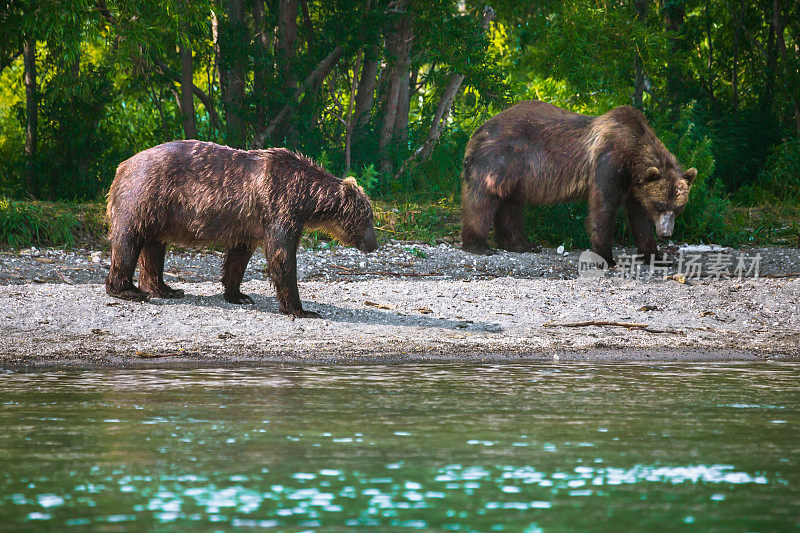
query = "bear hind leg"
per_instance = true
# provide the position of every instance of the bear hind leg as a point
(151, 272)
(476, 214)
(509, 226)
(236, 260)
(125, 251)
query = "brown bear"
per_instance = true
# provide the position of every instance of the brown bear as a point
(199, 193)
(536, 153)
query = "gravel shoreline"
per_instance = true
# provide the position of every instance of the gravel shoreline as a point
(405, 303)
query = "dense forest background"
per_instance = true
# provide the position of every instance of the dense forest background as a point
(390, 90)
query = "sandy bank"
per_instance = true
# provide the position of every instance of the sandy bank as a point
(398, 320)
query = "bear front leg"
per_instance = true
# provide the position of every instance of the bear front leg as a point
(281, 251)
(602, 215)
(642, 229)
(236, 261)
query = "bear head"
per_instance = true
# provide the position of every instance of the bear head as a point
(662, 188)
(353, 224)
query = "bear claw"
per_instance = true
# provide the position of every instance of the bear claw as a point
(169, 293)
(479, 250)
(306, 314)
(131, 295)
(239, 299)
(301, 313)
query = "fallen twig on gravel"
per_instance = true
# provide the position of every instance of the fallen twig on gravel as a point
(379, 306)
(629, 325)
(350, 271)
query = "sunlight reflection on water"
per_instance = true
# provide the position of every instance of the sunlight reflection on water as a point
(452, 447)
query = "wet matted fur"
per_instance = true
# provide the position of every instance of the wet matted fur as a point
(536, 153)
(197, 193)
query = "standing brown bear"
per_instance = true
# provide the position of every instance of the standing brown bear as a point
(536, 153)
(200, 193)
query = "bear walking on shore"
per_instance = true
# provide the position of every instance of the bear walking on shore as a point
(536, 153)
(199, 193)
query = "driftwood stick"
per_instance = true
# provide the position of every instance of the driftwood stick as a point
(629, 325)
(353, 272)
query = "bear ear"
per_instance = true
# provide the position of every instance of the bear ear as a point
(690, 175)
(350, 183)
(651, 174)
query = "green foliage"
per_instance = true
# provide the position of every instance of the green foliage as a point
(724, 91)
(779, 181)
(25, 224)
(368, 178)
(558, 224)
(10, 155)
(740, 142)
(73, 154)
(590, 46)
(416, 252)
(704, 218)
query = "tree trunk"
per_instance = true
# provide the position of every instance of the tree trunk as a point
(307, 20)
(187, 99)
(710, 61)
(674, 13)
(220, 73)
(403, 108)
(366, 89)
(31, 114)
(735, 66)
(398, 44)
(232, 76)
(639, 81)
(260, 69)
(442, 109)
(320, 72)
(771, 70)
(349, 121)
(779, 22)
(285, 43)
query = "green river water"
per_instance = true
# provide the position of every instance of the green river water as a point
(517, 447)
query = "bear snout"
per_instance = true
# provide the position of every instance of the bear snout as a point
(665, 224)
(368, 242)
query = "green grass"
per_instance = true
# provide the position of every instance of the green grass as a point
(24, 224)
(412, 218)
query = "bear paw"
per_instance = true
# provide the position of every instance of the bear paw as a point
(132, 295)
(478, 249)
(300, 313)
(239, 298)
(168, 293)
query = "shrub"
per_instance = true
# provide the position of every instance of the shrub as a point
(704, 219)
(780, 178)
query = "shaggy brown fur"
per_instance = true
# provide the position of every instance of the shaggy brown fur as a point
(198, 193)
(536, 153)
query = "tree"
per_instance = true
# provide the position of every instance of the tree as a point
(187, 99)
(399, 41)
